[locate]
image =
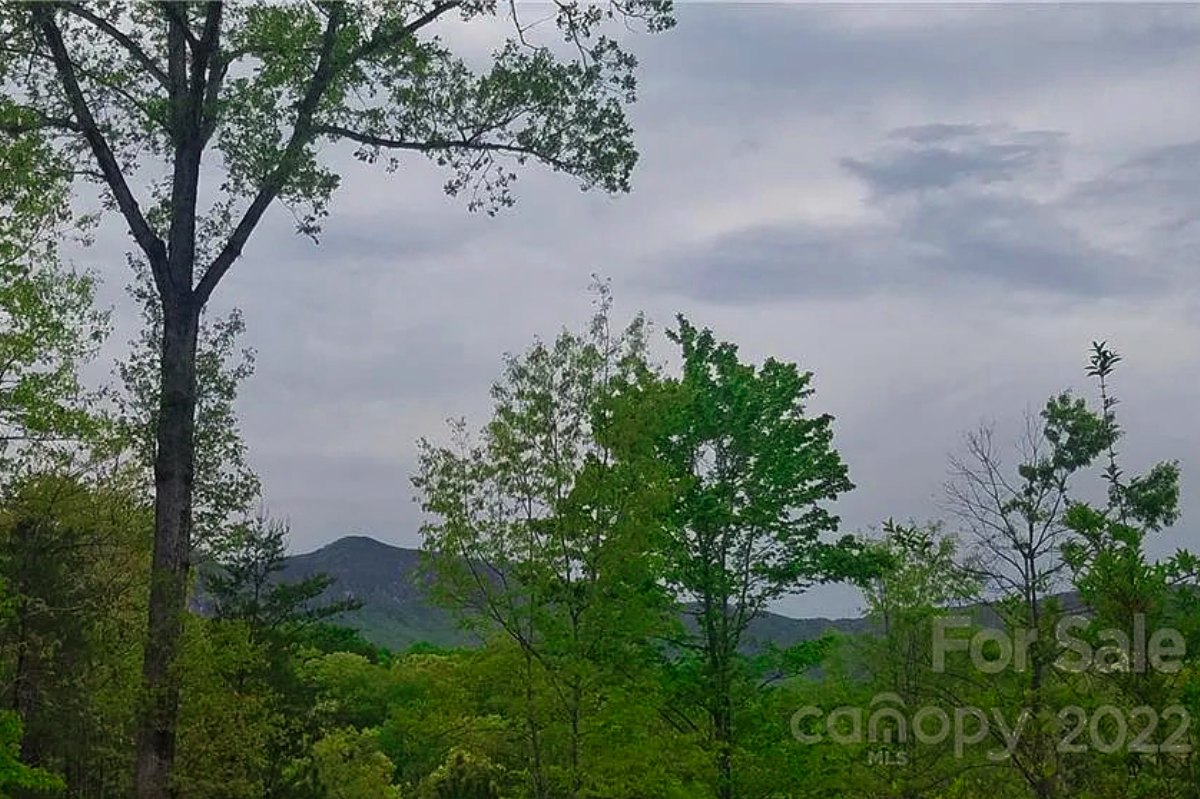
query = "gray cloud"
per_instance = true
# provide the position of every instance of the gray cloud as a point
(1012, 243)
(1154, 199)
(942, 156)
(956, 211)
(783, 263)
(1162, 175)
(828, 57)
(934, 132)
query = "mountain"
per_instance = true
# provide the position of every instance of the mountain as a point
(396, 611)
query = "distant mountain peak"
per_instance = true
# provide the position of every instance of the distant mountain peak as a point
(359, 542)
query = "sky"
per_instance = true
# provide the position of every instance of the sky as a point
(934, 208)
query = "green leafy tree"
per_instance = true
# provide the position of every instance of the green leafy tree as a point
(74, 559)
(50, 330)
(462, 776)
(349, 765)
(1127, 590)
(13, 773)
(49, 326)
(441, 702)
(230, 722)
(427, 707)
(1107, 558)
(260, 89)
(65, 561)
(1035, 538)
(544, 532)
(1015, 517)
(925, 580)
(245, 583)
(756, 473)
(252, 600)
(324, 637)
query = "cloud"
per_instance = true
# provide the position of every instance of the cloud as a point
(950, 209)
(828, 57)
(1148, 207)
(934, 132)
(1010, 243)
(941, 156)
(781, 263)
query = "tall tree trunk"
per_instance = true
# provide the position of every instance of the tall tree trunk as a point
(535, 744)
(723, 645)
(576, 735)
(174, 459)
(723, 736)
(720, 700)
(174, 465)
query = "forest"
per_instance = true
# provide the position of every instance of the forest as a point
(635, 499)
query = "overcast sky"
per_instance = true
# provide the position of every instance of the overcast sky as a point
(934, 209)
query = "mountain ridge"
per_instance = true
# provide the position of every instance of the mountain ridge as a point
(397, 612)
